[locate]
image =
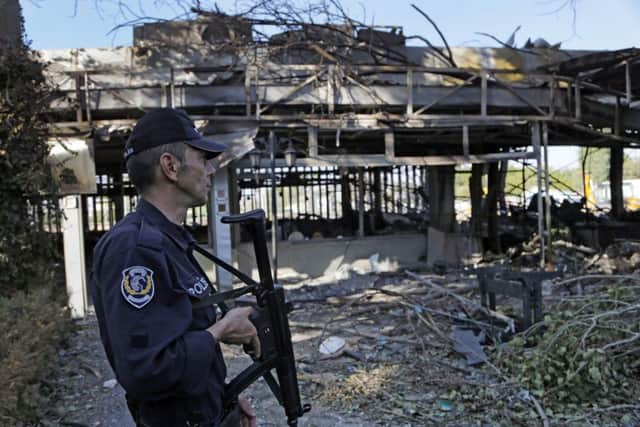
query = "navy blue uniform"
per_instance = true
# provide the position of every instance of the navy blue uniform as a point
(143, 284)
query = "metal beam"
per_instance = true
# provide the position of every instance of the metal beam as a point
(373, 160)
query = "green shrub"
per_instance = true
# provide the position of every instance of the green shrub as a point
(587, 354)
(33, 326)
(24, 98)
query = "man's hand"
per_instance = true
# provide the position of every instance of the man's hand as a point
(247, 416)
(236, 328)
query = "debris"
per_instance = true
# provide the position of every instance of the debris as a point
(332, 345)
(445, 405)
(467, 343)
(373, 261)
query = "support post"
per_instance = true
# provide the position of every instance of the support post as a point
(475, 190)
(312, 136)
(627, 75)
(552, 97)
(535, 142)
(87, 97)
(172, 90)
(616, 165)
(547, 196)
(330, 89)
(409, 91)
(492, 208)
(274, 206)
(256, 85)
(221, 233)
(465, 140)
(377, 197)
(616, 168)
(578, 100)
(483, 93)
(247, 90)
(74, 260)
(360, 202)
(345, 200)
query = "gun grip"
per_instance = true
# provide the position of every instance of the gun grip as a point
(262, 322)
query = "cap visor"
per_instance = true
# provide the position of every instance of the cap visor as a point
(212, 147)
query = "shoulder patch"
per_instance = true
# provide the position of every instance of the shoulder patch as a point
(137, 285)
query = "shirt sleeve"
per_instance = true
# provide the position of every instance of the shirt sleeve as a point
(147, 322)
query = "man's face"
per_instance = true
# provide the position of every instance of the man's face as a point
(194, 176)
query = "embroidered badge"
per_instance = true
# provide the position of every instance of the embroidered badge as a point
(137, 286)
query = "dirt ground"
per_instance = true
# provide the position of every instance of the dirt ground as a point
(399, 365)
(92, 398)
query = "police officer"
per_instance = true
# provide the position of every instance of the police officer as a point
(144, 280)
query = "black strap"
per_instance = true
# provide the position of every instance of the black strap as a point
(219, 297)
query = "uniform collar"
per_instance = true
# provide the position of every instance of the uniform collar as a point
(154, 216)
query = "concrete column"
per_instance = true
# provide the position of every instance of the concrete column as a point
(492, 207)
(234, 203)
(74, 260)
(221, 233)
(475, 190)
(377, 198)
(616, 168)
(442, 197)
(360, 202)
(616, 161)
(347, 210)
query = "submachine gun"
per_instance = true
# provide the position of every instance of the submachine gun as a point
(270, 320)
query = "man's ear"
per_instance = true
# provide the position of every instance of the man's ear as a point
(169, 166)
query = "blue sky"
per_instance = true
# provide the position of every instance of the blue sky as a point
(597, 24)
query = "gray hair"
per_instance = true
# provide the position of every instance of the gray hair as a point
(142, 166)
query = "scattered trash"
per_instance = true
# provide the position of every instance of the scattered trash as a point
(467, 343)
(332, 345)
(373, 261)
(445, 405)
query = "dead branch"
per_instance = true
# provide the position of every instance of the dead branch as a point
(465, 301)
(616, 277)
(442, 37)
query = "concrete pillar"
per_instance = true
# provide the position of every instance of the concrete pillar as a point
(442, 197)
(234, 203)
(345, 193)
(492, 207)
(360, 202)
(221, 233)
(377, 198)
(616, 161)
(475, 190)
(616, 168)
(74, 260)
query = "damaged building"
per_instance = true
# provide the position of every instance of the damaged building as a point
(347, 137)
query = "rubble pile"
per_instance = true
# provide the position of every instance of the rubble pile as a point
(564, 255)
(620, 257)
